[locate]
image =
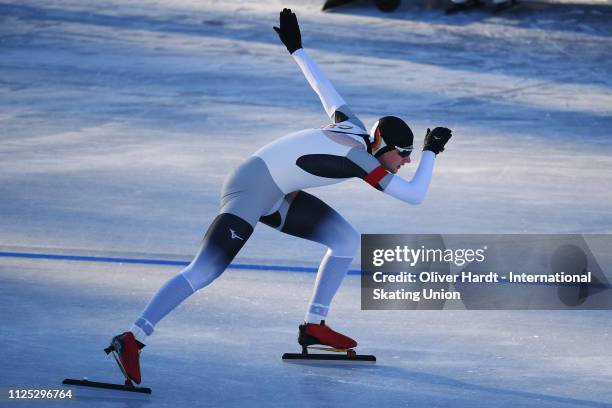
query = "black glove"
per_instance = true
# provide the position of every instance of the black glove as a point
(289, 31)
(436, 139)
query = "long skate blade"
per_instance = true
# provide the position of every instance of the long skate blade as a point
(361, 358)
(94, 384)
(332, 4)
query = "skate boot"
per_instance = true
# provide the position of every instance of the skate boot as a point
(126, 350)
(312, 333)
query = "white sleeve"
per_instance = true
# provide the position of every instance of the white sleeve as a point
(413, 191)
(330, 99)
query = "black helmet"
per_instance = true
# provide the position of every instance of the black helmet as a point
(388, 133)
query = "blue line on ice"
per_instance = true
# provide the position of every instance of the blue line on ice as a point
(80, 258)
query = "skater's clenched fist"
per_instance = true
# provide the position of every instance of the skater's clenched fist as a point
(436, 139)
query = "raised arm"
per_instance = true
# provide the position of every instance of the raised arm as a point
(330, 99)
(289, 33)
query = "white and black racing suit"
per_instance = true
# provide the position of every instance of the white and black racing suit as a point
(267, 188)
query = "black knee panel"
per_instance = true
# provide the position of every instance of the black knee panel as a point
(227, 234)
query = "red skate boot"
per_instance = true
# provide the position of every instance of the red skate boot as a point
(126, 350)
(312, 333)
(340, 345)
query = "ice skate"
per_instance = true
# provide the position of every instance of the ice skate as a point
(322, 337)
(311, 334)
(126, 351)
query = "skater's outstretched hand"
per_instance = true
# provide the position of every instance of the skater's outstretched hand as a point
(436, 139)
(289, 31)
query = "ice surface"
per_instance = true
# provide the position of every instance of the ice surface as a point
(120, 119)
(223, 346)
